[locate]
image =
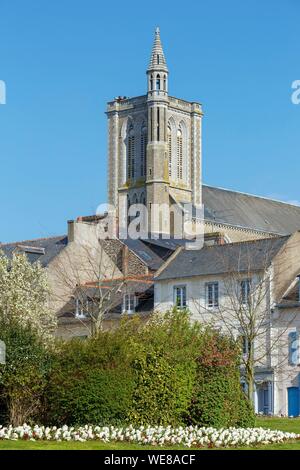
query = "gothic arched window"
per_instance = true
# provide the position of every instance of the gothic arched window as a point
(179, 155)
(158, 82)
(151, 82)
(128, 207)
(170, 150)
(137, 213)
(143, 150)
(143, 199)
(165, 83)
(130, 154)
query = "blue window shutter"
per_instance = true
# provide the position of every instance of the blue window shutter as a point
(293, 348)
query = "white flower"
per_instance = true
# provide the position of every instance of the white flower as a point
(155, 435)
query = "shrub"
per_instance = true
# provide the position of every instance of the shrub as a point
(24, 376)
(162, 391)
(164, 369)
(137, 373)
(168, 372)
(87, 386)
(218, 399)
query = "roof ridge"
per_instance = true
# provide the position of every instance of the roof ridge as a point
(251, 195)
(32, 240)
(242, 242)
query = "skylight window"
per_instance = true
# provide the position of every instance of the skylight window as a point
(145, 255)
(36, 250)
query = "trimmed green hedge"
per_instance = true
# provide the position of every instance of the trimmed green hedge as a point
(89, 383)
(162, 391)
(218, 398)
(170, 371)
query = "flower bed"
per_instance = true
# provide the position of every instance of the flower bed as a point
(156, 435)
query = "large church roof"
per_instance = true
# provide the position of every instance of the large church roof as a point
(242, 210)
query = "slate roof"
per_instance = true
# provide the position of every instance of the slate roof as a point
(247, 211)
(217, 259)
(141, 286)
(292, 298)
(144, 252)
(130, 284)
(43, 249)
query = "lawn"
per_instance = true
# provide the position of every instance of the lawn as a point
(283, 424)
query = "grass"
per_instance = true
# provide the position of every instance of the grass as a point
(282, 424)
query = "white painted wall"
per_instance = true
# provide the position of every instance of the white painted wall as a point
(282, 322)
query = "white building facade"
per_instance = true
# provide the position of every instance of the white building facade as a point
(215, 293)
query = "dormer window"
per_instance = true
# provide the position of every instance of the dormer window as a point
(158, 59)
(81, 308)
(33, 253)
(37, 250)
(129, 303)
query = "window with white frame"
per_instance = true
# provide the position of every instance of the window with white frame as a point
(180, 297)
(245, 291)
(212, 294)
(129, 303)
(81, 308)
(293, 343)
(245, 345)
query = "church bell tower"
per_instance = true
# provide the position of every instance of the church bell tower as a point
(157, 180)
(154, 148)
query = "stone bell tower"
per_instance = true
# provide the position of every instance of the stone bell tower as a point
(154, 146)
(157, 179)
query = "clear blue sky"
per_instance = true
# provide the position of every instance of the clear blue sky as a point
(62, 60)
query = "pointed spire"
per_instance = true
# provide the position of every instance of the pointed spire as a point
(157, 60)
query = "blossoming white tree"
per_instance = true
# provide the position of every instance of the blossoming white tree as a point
(24, 295)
